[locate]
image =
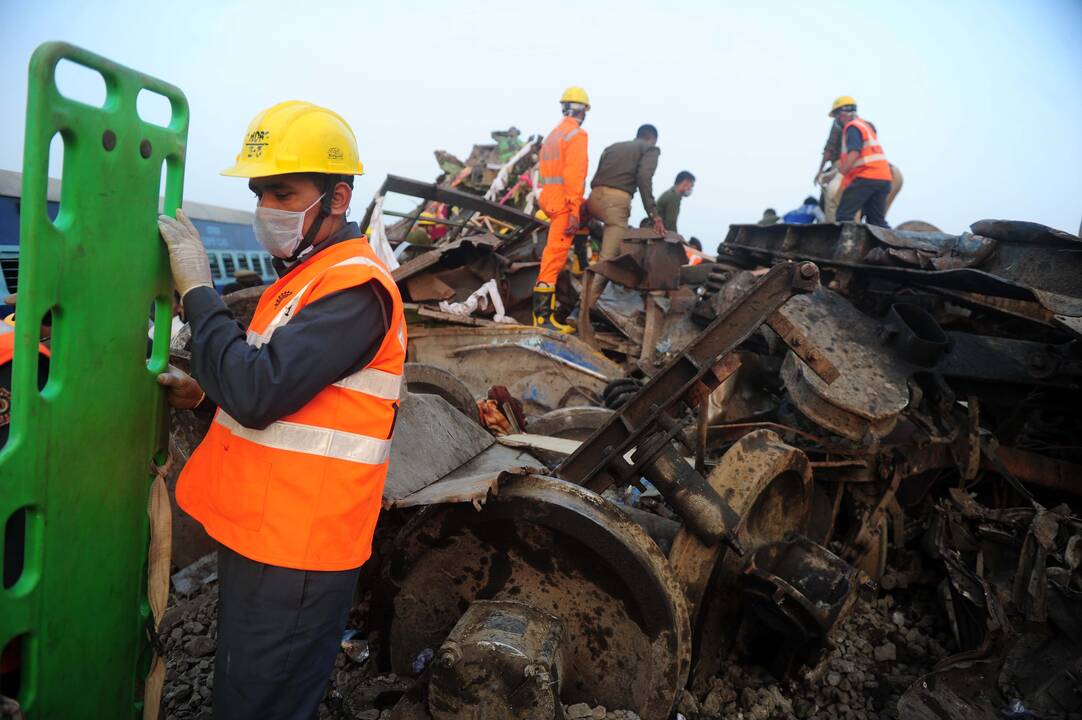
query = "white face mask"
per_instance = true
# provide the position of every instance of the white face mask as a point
(687, 193)
(280, 231)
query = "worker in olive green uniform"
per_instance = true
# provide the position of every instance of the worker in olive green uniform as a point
(668, 205)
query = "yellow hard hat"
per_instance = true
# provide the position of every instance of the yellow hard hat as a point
(575, 94)
(841, 101)
(296, 136)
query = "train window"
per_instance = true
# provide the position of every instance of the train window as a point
(242, 262)
(268, 266)
(215, 268)
(254, 258)
(10, 268)
(227, 260)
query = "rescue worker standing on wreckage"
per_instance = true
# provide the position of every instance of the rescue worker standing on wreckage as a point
(289, 478)
(865, 171)
(562, 167)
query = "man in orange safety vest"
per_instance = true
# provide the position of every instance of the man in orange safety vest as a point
(863, 165)
(289, 478)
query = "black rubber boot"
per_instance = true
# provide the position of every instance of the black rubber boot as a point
(544, 303)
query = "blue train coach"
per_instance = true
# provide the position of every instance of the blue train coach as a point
(227, 234)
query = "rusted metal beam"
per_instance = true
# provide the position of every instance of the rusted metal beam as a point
(798, 342)
(522, 222)
(1039, 470)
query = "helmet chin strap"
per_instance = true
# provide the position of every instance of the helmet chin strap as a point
(324, 213)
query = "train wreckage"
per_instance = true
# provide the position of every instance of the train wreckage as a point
(722, 461)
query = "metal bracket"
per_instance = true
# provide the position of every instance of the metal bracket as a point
(668, 392)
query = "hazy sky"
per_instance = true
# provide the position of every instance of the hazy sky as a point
(979, 103)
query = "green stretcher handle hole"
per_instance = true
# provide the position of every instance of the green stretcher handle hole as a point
(80, 83)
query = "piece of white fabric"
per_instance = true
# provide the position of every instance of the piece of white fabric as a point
(500, 183)
(479, 301)
(377, 237)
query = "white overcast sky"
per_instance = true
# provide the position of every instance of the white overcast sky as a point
(978, 102)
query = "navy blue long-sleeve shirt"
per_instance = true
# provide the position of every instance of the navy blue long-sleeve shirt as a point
(324, 342)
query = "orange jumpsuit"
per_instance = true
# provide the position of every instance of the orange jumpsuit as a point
(562, 167)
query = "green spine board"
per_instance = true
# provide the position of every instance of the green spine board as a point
(80, 452)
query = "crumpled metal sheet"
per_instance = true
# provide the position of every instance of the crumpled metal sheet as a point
(450, 439)
(929, 251)
(1015, 613)
(543, 369)
(473, 489)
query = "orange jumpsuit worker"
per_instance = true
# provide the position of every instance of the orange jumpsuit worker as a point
(562, 168)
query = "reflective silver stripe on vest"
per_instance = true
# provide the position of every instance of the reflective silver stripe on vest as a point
(552, 180)
(572, 134)
(374, 382)
(869, 159)
(868, 136)
(358, 260)
(312, 440)
(255, 339)
(260, 339)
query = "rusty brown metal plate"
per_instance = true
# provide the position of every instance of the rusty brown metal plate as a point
(871, 387)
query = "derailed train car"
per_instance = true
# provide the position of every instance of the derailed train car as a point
(732, 472)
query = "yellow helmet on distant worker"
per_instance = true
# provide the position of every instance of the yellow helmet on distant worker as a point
(841, 101)
(575, 94)
(296, 136)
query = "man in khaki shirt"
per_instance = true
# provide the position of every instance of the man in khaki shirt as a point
(624, 168)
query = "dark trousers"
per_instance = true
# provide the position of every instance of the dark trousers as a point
(869, 196)
(278, 633)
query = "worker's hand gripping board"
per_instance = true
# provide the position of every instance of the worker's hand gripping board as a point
(79, 460)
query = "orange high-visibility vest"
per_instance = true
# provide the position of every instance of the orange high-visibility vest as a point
(305, 491)
(562, 168)
(694, 256)
(7, 344)
(872, 163)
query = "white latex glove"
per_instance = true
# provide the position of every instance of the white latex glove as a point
(187, 256)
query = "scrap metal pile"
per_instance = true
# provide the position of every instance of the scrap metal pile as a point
(725, 462)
